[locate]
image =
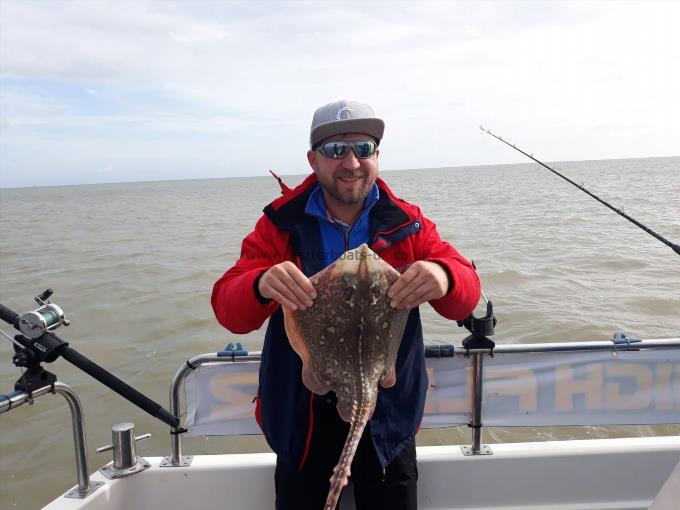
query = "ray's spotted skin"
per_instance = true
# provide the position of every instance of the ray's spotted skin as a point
(348, 341)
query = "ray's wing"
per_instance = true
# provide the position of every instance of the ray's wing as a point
(309, 331)
(385, 325)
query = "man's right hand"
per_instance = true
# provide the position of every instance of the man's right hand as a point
(287, 285)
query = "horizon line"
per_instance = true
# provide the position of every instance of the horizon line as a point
(266, 173)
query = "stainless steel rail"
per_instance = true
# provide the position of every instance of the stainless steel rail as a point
(175, 459)
(18, 398)
(607, 345)
(477, 360)
(477, 392)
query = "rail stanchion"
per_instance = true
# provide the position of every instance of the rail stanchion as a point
(478, 345)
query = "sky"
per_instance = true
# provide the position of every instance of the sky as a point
(96, 91)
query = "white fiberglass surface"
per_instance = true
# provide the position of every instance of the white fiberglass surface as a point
(576, 475)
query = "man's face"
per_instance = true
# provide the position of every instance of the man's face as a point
(345, 180)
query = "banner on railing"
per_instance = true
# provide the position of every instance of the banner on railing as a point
(582, 388)
(220, 399)
(523, 389)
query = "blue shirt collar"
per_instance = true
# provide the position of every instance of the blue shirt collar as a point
(317, 207)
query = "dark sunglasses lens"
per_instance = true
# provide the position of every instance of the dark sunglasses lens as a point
(338, 149)
(335, 150)
(364, 149)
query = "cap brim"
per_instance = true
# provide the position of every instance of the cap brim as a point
(373, 127)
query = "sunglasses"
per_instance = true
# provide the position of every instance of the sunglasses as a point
(339, 149)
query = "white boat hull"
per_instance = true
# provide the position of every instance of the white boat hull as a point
(621, 474)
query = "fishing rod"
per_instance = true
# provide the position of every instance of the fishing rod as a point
(617, 210)
(38, 344)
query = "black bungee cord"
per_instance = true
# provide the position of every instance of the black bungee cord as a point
(617, 210)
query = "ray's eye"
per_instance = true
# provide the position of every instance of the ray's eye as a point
(348, 295)
(375, 291)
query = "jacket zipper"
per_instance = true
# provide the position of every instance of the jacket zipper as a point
(346, 232)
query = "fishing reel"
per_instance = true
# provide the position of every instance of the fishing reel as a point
(33, 347)
(47, 317)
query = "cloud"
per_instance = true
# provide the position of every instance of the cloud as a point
(249, 74)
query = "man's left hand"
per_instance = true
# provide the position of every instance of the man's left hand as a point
(423, 281)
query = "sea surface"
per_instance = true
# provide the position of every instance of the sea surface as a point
(133, 265)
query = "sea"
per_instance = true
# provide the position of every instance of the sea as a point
(132, 265)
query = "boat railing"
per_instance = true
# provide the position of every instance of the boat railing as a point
(618, 343)
(175, 458)
(15, 399)
(476, 357)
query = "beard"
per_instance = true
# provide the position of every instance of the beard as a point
(356, 196)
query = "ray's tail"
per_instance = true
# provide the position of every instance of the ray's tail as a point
(339, 479)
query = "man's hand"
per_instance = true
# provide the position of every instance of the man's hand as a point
(287, 285)
(421, 282)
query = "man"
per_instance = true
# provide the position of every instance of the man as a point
(341, 205)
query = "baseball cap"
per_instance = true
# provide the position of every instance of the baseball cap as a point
(345, 117)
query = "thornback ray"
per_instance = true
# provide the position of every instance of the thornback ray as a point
(348, 341)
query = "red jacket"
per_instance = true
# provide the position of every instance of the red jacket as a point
(237, 308)
(401, 235)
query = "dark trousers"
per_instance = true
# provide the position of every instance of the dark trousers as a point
(375, 488)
